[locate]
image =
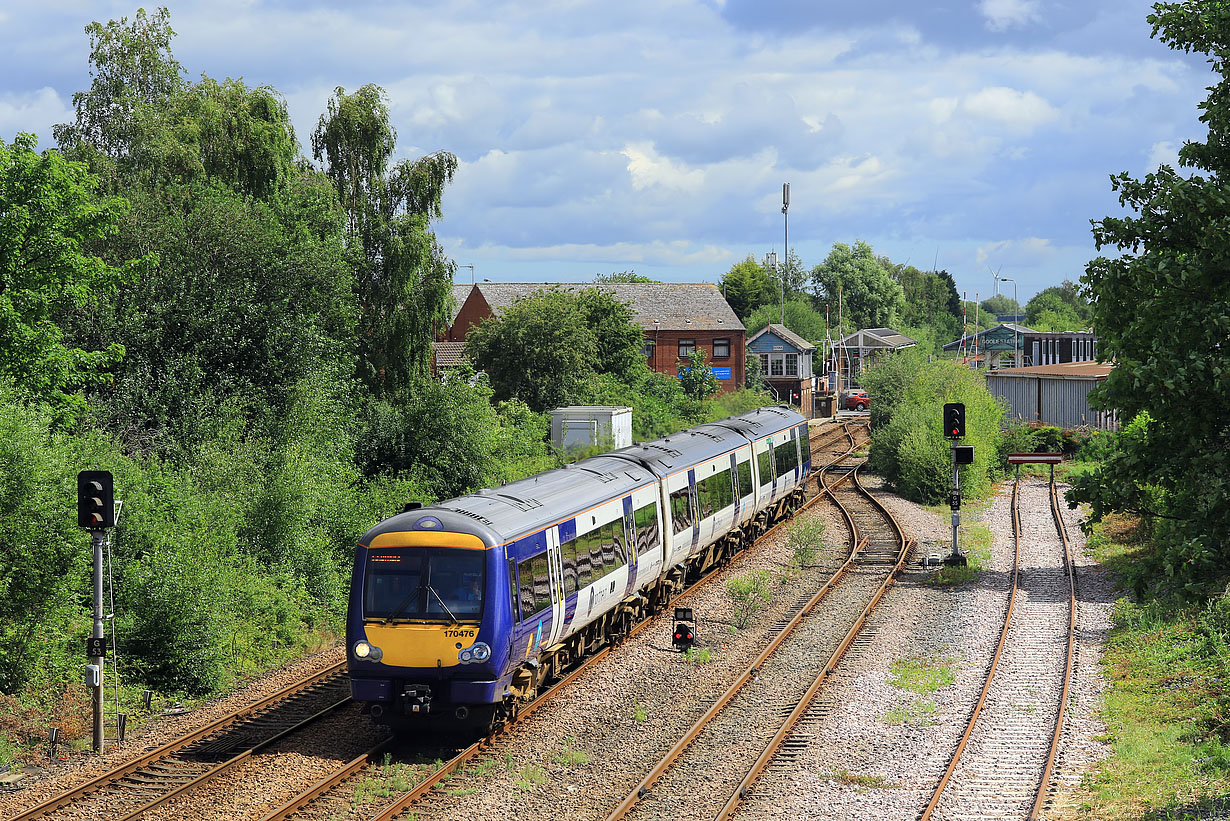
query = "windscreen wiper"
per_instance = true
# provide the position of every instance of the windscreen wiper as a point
(433, 592)
(397, 611)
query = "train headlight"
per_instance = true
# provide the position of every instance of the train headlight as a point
(465, 656)
(480, 651)
(368, 652)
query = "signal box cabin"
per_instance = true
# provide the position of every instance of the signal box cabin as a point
(677, 318)
(786, 363)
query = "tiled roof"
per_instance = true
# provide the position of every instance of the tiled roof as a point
(460, 292)
(449, 354)
(785, 334)
(674, 305)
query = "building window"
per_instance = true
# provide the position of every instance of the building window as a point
(764, 364)
(686, 346)
(648, 348)
(721, 348)
(792, 364)
(775, 365)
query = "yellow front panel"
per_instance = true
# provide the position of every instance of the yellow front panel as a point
(421, 645)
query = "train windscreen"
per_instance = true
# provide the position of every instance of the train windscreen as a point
(442, 584)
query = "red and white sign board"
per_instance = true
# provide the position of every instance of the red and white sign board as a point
(1035, 458)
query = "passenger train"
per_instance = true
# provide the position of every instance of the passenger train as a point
(461, 610)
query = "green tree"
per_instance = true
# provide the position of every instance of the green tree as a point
(863, 282)
(49, 218)
(1000, 304)
(1064, 307)
(908, 446)
(696, 377)
(930, 300)
(800, 318)
(618, 338)
(404, 280)
(133, 73)
(540, 350)
(547, 348)
(1162, 311)
(747, 286)
(621, 276)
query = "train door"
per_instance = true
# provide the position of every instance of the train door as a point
(556, 566)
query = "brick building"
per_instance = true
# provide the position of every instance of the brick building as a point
(677, 318)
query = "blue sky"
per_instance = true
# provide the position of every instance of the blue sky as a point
(655, 135)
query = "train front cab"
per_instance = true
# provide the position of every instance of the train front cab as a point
(425, 633)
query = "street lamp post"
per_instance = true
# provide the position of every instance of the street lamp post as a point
(1016, 362)
(786, 246)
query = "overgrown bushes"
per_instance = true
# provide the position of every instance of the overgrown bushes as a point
(908, 444)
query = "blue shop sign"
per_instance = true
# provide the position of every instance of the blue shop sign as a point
(721, 373)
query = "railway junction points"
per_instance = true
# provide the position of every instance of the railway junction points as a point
(873, 739)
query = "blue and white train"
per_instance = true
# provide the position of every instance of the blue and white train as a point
(462, 610)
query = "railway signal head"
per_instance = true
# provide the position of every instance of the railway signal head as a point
(685, 634)
(954, 420)
(95, 499)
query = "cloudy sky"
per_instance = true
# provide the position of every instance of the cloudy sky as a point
(655, 135)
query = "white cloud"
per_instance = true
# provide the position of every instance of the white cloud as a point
(1016, 253)
(1019, 111)
(1005, 14)
(35, 112)
(1165, 152)
(648, 169)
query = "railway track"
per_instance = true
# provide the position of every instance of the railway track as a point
(1002, 765)
(762, 710)
(318, 801)
(176, 769)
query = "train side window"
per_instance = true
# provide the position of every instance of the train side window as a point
(568, 552)
(647, 528)
(745, 478)
(721, 494)
(786, 457)
(535, 585)
(805, 443)
(597, 561)
(704, 497)
(681, 510)
(514, 602)
(581, 553)
(623, 547)
(764, 461)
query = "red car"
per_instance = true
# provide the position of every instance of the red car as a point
(856, 400)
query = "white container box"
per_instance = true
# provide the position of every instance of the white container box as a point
(583, 426)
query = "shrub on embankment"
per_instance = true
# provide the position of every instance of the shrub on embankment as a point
(908, 447)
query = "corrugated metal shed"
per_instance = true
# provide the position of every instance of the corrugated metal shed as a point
(1053, 394)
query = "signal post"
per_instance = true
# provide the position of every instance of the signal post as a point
(96, 513)
(954, 429)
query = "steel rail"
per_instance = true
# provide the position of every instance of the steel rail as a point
(230, 763)
(744, 678)
(1047, 771)
(999, 650)
(101, 781)
(329, 782)
(770, 751)
(1056, 736)
(470, 752)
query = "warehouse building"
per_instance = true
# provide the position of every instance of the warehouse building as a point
(1053, 394)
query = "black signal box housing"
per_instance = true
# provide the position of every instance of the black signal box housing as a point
(954, 420)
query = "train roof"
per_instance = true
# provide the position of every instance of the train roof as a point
(681, 450)
(502, 514)
(762, 422)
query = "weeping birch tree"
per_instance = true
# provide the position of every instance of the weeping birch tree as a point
(403, 278)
